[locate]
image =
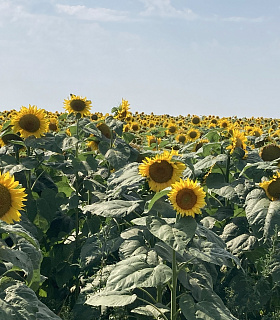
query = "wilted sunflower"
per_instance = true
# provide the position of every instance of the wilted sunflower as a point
(77, 104)
(30, 121)
(270, 152)
(200, 143)
(272, 187)
(161, 170)
(11, 198)
(187, 197)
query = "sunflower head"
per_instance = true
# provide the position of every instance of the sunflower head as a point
(270, 152)
(187, 197)
(239, 140)
(272, 187)
(30, 122)
(11, 198)
(53, 124)
(161, 170)
(193, 134)
(77, 104)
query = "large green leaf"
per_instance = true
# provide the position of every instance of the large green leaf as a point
(154, 311)
(118, 157)
(209, 161)
(18, 302)
(136, 272)
(263, 215)
(24, 253)
(126, 178)
(111, 298)
(211, 252)
(177, 235)
(113, 208)
(242, 243)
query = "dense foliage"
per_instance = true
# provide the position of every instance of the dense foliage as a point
(96, 242)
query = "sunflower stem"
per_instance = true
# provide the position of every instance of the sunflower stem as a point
(174, 287)
(28, 176)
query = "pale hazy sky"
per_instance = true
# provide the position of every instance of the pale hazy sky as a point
(203, 57)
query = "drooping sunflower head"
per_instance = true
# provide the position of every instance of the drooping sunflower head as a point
(161, 170)
(200, 143)
(187, 197)
(77, 104)
(30, 121)
(272, 187)
(105, 130)
(11, 198)
(270, 152)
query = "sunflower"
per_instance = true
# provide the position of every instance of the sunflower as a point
(11, 198)
(153, 141)
(105, 130)
(270, 152)
(171, 128)
(135, 126)
(77, 104)
(195, 120)
(123, 110)
(187, 197)
(53, 124)
(199, 144)
(30, 122)
(272, 187)
(92, 144)
(238, 141)
(224, 123)
(193, 134)
(161, 170)
(181, 137)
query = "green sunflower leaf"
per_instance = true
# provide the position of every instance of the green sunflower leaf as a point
(177, 235)
(111, 298)
(136, 272)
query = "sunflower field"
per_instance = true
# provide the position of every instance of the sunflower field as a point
(138, 216)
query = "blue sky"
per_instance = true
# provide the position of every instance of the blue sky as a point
(203, 57)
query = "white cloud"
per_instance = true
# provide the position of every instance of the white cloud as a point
(243, 19)
(164, 8)
(95, 14)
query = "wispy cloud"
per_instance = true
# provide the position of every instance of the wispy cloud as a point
(95, 14)
(164, 8)
(243, 19)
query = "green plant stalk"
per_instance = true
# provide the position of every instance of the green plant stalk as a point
(174, 287)
(28, 177)
(159, 293)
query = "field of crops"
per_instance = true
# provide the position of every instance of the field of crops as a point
(138, 216)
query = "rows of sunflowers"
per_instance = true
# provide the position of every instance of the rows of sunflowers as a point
(135, 216)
